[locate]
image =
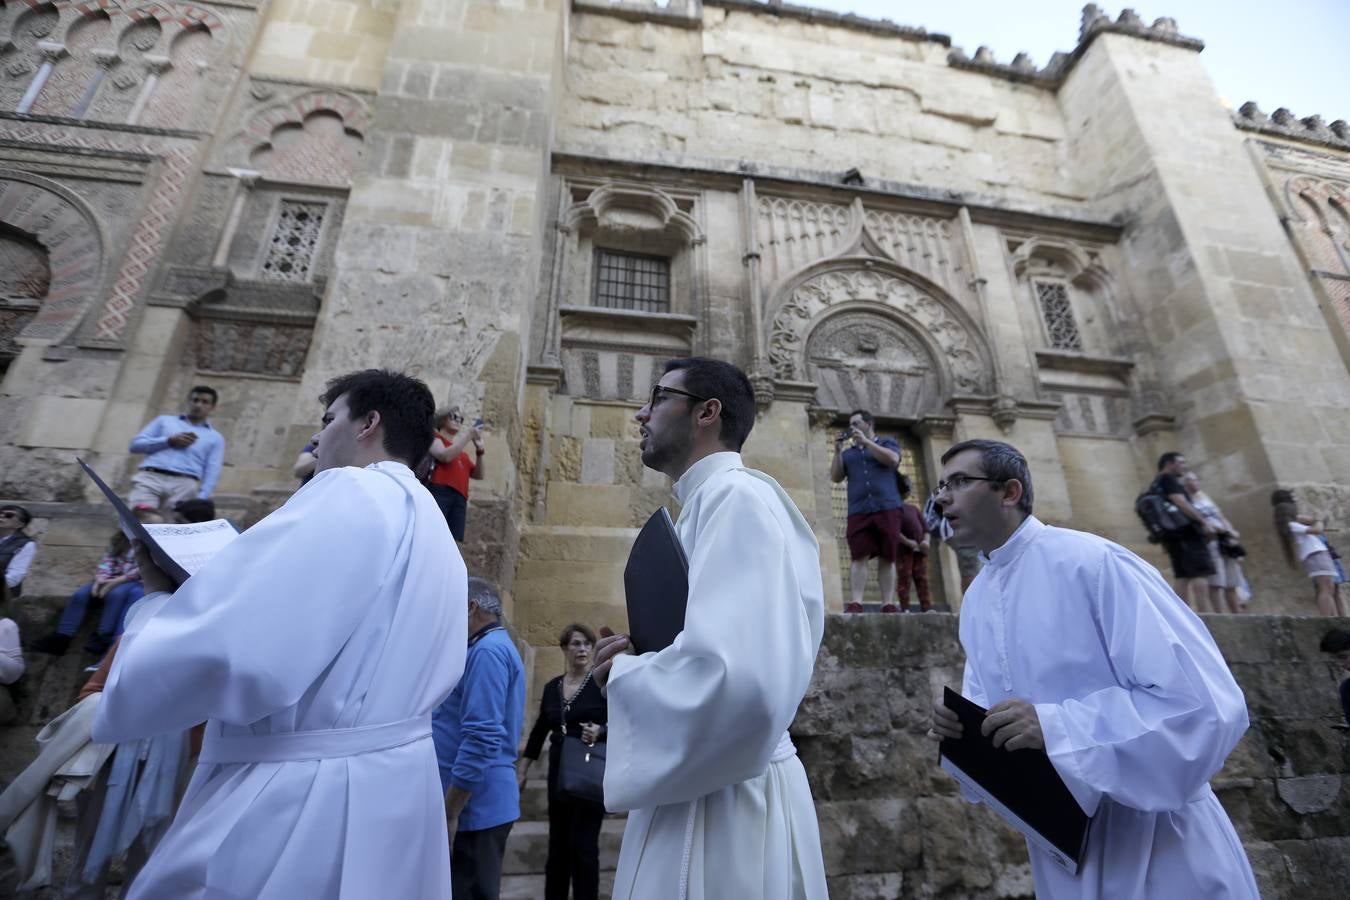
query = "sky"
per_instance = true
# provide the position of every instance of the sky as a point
(1290, 53)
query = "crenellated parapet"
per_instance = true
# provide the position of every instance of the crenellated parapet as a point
(1095, 22)
(1282, 122)
(1163, 30)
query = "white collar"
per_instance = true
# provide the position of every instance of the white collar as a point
(1018, 541)
(702, 470)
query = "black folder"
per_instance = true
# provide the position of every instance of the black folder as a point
(656, 584)
(1020, 785)
(134, 530)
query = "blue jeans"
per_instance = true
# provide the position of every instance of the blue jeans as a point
(115, 603)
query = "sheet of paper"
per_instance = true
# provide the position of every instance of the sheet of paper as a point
(193, 544)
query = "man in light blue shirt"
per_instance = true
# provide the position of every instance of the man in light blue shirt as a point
(476, 732)
(183, 455)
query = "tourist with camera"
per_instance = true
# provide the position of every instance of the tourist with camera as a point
(869, 464)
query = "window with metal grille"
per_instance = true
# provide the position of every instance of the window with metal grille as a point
(294, 241)
(632, 281)
(1053, 297)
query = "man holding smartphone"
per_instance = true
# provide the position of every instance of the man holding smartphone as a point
(454, 467)
(874, 503)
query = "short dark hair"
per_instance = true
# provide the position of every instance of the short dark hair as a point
(198, 509)
(1167, 459)
(1281, 495)
(404, 403)
(1002, 463)
(722, 381)
(866, 416)
(203, 389)
(24, 515)
(906, 484)
(1335, 641)
(565, 635)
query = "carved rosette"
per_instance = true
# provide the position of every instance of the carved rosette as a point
(836, 288)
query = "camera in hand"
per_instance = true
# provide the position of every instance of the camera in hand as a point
(844, 435)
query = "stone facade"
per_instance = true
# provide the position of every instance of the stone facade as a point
(1093, 259)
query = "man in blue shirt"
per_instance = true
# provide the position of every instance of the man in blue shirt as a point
(476, 732)
(183, 456)
(874, 502)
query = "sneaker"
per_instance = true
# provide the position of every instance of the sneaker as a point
(890, 608)
(55, 644)
(854, 608)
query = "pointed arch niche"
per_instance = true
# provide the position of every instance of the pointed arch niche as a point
(870, 333)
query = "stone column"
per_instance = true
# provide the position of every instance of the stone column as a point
(437, 265)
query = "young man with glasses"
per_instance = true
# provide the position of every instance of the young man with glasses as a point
(874, 506)
(698, 746)
(1080, 648)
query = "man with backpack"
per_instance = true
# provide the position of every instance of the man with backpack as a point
(1185, 537)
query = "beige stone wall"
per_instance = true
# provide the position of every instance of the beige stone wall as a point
(336, 42)
(783, 93)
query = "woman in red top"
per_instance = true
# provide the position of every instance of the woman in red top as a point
(454, 467)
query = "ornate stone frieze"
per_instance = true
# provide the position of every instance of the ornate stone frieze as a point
(862, 359)
(65, 227)
(859, 285)
(299, 133)
(253, 327)
(794, 233)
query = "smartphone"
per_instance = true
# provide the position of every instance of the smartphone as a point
(477, 423)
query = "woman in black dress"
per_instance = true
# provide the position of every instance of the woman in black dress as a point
(573, 825)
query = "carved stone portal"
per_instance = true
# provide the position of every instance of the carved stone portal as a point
(933, 334)
(866, 360)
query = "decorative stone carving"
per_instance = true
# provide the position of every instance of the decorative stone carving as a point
(848, 283)
(795, 233)
(64, 226)
(611, 204)
(311, 137)
(863, 359)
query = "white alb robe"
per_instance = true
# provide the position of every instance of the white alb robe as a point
(698, 749)
(341, 612)
(1137, 706)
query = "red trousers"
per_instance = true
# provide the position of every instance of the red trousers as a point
(909, 564)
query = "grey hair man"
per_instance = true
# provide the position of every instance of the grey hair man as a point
(477, 731)
(1081, 649)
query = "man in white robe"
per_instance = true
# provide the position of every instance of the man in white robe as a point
(719, 805)
(316, 647)
(1079, 647)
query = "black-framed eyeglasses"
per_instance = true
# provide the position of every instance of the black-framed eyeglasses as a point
(660, 389)
(580, 644)
(960, 480)
(456, 417)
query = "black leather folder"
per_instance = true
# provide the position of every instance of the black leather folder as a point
(656, 584)
(1020, 785)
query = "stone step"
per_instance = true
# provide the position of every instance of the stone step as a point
(534, 799)
(527, 847)
(531, 887)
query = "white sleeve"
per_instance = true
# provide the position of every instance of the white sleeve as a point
(708, 711)
(250, 632)
(17, 569)
(1152, 741)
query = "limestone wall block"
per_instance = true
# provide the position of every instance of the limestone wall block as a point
(591, 504)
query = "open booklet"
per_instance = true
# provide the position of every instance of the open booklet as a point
(180, 550)
(1022, 786)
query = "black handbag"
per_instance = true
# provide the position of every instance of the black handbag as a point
(581, 768)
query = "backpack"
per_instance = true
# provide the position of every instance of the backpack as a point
(1160, 516)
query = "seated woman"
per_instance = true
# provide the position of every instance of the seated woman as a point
(17, 548)
(117, 582)
(573, 825)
